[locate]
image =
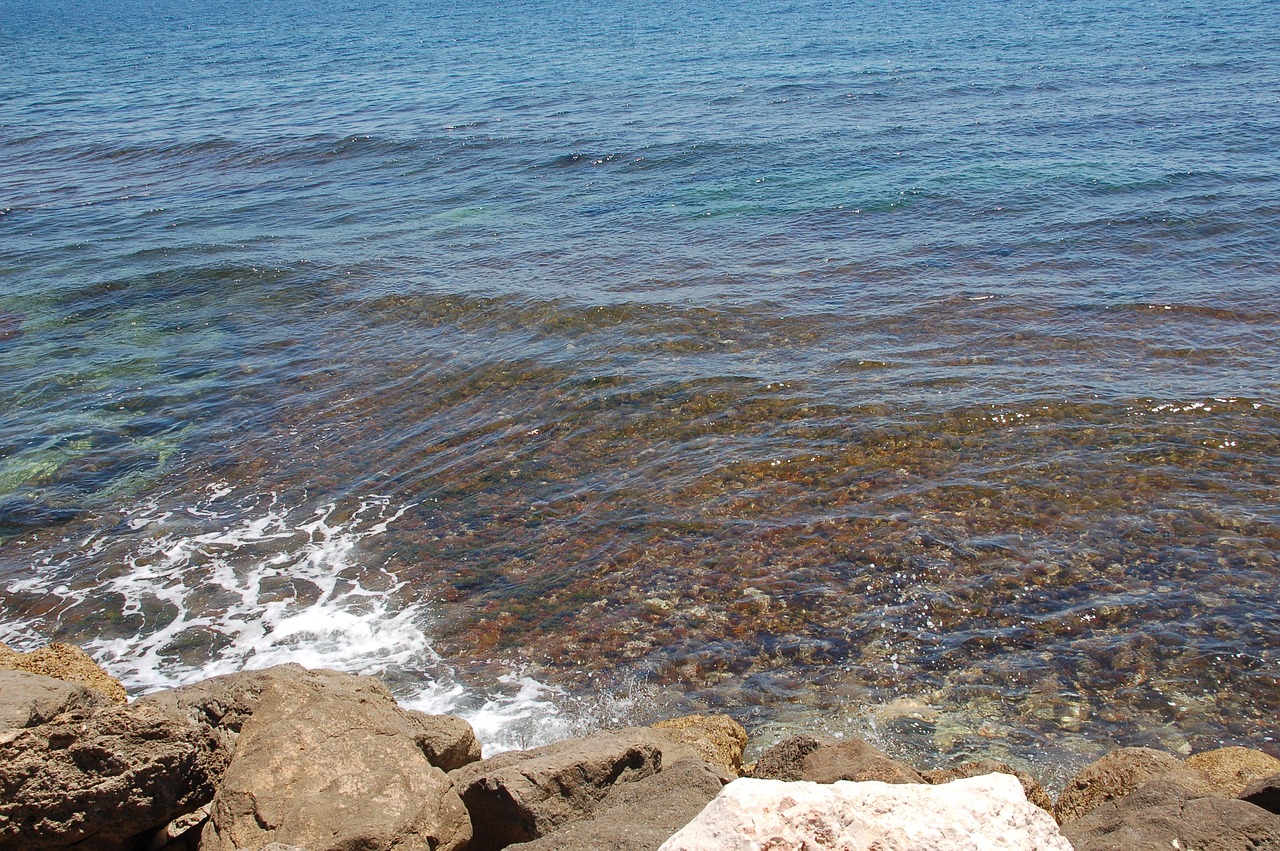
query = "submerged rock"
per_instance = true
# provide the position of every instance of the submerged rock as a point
(822, 760)
(988, 812)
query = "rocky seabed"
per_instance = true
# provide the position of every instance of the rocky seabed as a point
(287, 758)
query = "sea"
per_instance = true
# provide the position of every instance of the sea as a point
(907, 369)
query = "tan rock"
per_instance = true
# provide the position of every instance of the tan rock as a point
(226, 703)
(28, 699)
(823, 760)
(101, 779)
(64, 662)
(522, 796)
(718, 738)
(1118, 774)
(1170, 813)
(325, 761)
(1230, 770)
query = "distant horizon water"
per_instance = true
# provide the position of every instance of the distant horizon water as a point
(897, 369)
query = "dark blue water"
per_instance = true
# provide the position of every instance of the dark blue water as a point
(893, 366)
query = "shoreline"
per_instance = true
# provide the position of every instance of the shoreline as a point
(241, 739)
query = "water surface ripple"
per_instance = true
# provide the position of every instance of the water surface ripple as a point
(889, 367)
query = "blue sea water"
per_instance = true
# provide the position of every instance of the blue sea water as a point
(899, 367)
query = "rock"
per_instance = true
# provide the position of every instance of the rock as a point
(30, 699)
(1170, 813)
(1117, 774)
(1264, 793)
(227, 702)
(718, 738)
(785, 760)
(64, 662)
(326, 761)
(448, 741)
(180, 834)
(103, 778)
(823, 760)
(1230, 770)
(524, 795)
(988, 812)
(638, 816)
(1034, 791)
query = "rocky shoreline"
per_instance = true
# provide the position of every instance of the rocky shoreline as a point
(288, 758)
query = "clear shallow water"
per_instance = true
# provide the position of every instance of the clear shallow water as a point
(888, 367)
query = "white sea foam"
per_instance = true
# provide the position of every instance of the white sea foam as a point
(227, 585)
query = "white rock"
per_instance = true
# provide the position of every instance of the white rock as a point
(988, 813)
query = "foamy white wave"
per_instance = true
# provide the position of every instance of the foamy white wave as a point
(224, 586)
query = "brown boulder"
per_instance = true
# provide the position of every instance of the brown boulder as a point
(717, 738)
(100, 779)
(227, 702)
(30, 699)
(1230, 770)
(1034, 791)
(1171, 813)
(638, 816)
(448, 741)
(521, 796)
(1118, 774)
(64, 662)
(325, 761)
(823, 760)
